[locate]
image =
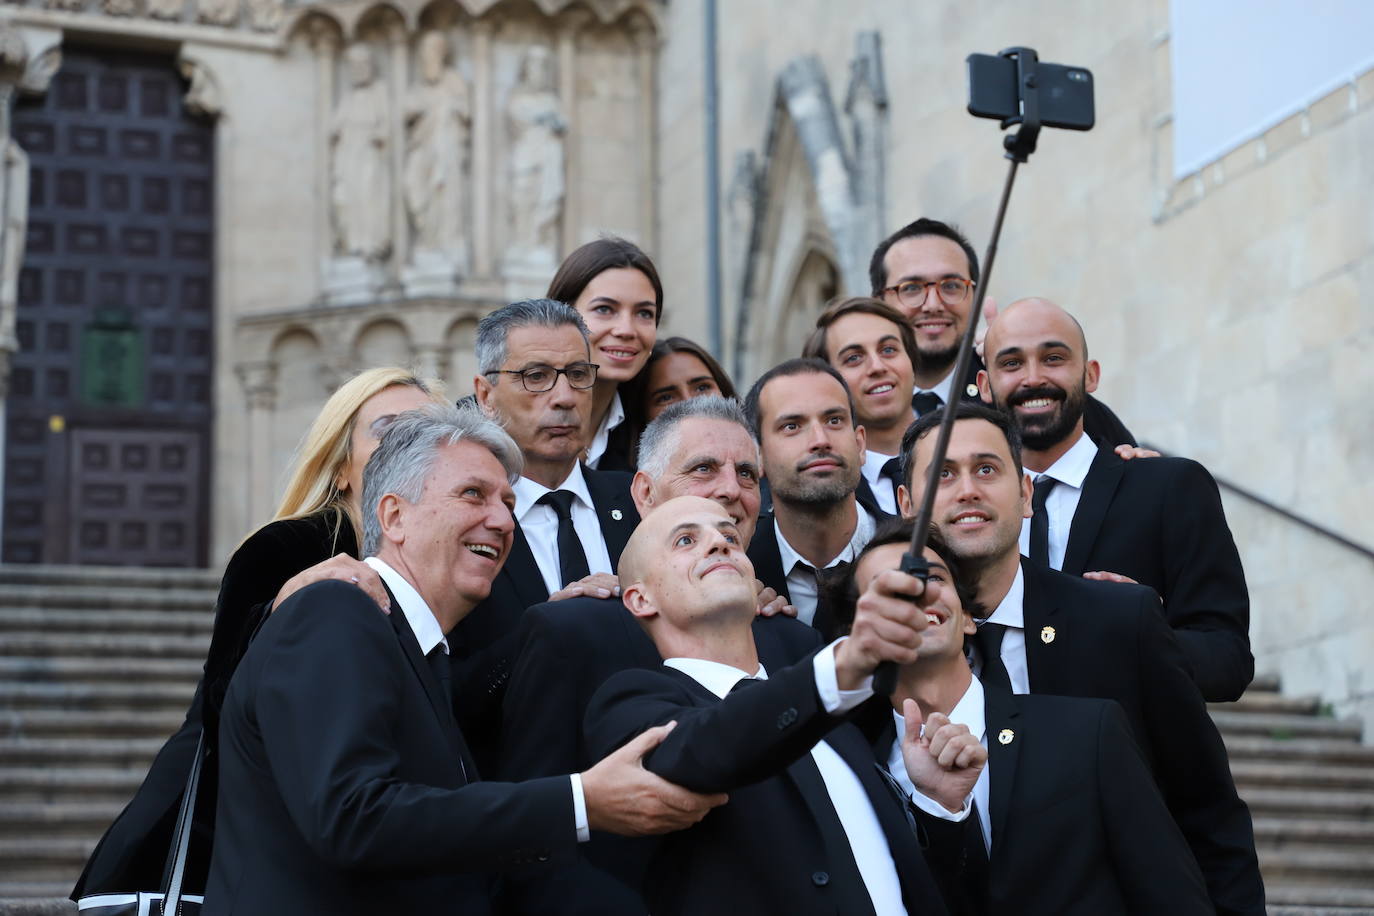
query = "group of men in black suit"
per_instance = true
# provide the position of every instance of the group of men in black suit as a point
(546, 630)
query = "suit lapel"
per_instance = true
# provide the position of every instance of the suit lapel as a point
(1040, 614)
(1098, 488)
(767, 559)
(615, 510)
(846, 880)
(865, 497)
(522, 573)
(410, 646)
(1001, 716)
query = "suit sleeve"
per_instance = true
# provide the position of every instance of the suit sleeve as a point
(329, 695)
(541, 714)
(1193, 770)
(745, 738)
(1153, 865)
(1205, 596)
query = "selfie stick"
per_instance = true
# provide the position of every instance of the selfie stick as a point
(1019, 146)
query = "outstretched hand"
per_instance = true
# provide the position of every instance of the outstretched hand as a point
(943, 761)
(888, 619)
(623, 797)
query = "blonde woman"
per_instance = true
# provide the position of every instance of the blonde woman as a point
(316, 528)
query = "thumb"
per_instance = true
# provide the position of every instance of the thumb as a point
(989, 309)
(911, 713)
(647, 740)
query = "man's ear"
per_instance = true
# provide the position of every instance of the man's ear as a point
(969, 626)
(984, 386)
(1092, 374)
(641, 492)
(861, 435)
(1027, 491)
(482, 389)
(391, 515)
(904, 504)
(637, 601)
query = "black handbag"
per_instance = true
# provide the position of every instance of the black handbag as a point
(169, 901)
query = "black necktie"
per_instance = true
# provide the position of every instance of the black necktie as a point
(1040, 521)
(572, 560)
(925, 401)
(892, 470)
(989, 642)
(439, 664)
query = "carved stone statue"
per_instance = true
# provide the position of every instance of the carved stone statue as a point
(166, 9)
(437, 115)
(360, 180)
(265, 15)
(534, 119)
(218, 12)
(14, 211)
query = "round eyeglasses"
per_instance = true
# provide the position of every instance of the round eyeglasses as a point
(538, 379)
(913, 293)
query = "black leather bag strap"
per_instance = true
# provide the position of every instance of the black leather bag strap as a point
(181, 837)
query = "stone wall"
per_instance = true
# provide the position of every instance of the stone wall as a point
(1226, 309)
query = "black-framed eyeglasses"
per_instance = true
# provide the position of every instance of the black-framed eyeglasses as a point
(538, 379)
(912, 293)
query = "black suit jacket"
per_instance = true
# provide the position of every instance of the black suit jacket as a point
(1161, 522)
(133, 852)
(1078, 826)
(763, 552)
(346, 787)
(1102, 639)
(569, 649)
(486, 643)
(776, 846)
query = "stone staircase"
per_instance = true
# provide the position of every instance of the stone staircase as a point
(97, 667)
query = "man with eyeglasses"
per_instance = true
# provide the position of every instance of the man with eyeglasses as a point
(928, 271)
(535, 375)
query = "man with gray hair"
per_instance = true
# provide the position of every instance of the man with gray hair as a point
(345, 784)
(699, 447)
(535, 376)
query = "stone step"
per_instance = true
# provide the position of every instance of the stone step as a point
(1326, 867)
(1282, 727)
(42, 859)
(1309, 803)
(1264, 683)
(58, 819)
(1301, 774)
(165, 696)
(19, 620)
(30, 898)
(71, 752)
(107, 576)
(71, 784)
(1311, 750)
(99, 599)
(153, 723)
(130, 647)
(1267, 702)
(1283, 833)
(101, 670)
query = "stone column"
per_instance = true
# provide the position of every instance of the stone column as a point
(483, 136)
(566, 48)
(430, 362)
(645, 41)
(325, 43)
(400, 224)
(259, 380)
(14, 208)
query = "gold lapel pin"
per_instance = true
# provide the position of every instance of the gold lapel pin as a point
(617, 514)
(1005, 736)
(1047, 635)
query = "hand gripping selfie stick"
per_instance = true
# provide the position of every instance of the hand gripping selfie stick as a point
(1019, 146)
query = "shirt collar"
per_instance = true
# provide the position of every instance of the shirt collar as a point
(863, 533)
(716, 677)
(873, 465)
(614, 417)
(422, 621)
(528, 492)
(943, 389)
(1073, 466)
(1011, 612)
(968, 711)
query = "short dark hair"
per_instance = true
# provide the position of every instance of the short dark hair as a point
(606, 253)
(839, 589)
(877, 271)
(800, 366)
(963, 410)
(853, 305)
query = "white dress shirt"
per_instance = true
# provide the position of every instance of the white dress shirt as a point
(943, 389)
(614, 417)
(540, 525)
(428, 634)
(1069, 471)
(968, 711)
(847, 795)
(880, 485)
(801, 575)
(1011, 614)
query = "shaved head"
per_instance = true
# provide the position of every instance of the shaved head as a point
(638, 555)
(1034, 312)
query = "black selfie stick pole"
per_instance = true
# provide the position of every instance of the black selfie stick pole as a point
(1019, 146)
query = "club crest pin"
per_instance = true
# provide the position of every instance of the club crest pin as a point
(1047, 635)
(617, 514)
(971, 390)
(1005, 736)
